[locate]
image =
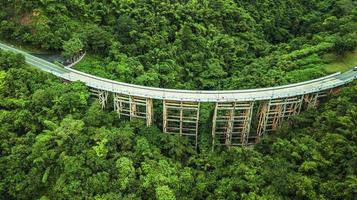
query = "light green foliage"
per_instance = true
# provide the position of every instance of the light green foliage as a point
(126, 172)
(100, 149)
(2, 76)
(337, 63)
(164, 193)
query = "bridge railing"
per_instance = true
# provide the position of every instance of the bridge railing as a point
(199, 95)
(232, 122)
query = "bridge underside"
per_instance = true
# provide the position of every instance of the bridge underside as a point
(232, 121)
(274, 111)
(181, 118)
(134, 107)
(312, 100)
(102, 96)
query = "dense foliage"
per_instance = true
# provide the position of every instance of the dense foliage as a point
(203, 44)
(55, 143)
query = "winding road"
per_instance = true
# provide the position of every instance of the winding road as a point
(311, 86)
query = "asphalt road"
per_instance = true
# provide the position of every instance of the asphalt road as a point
(311, 86)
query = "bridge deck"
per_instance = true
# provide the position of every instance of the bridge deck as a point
(301, 88)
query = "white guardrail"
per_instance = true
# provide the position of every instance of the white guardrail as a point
(311, 86)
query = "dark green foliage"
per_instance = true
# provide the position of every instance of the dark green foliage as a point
(57, 144)
(72, 47)
(206, 44)
(10, 60)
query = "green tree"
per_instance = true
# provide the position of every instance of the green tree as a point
(72, 47)
(164, 193)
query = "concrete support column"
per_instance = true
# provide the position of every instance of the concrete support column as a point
(149, 112)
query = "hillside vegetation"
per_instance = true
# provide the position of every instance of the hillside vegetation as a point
(58, 144)
(201, 44)
(338, 63)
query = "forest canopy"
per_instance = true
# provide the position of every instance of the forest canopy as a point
(201, 44)
(57, 143)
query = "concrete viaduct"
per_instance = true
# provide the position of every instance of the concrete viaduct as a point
(234, 112)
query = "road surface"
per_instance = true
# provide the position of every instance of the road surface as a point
(312, 86)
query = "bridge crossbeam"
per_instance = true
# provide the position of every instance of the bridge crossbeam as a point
(312, 100)
(181, 118)
(102, 96)
(232, 120)
(231, 123)
(134, 107)
(273, 112)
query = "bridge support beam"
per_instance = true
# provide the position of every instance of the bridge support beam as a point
(102, 96)
(134, 107)
(231, 123)
(274, 111)
(181, 118)
(312, 100)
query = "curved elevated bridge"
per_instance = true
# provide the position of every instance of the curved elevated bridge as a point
(234, 109)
